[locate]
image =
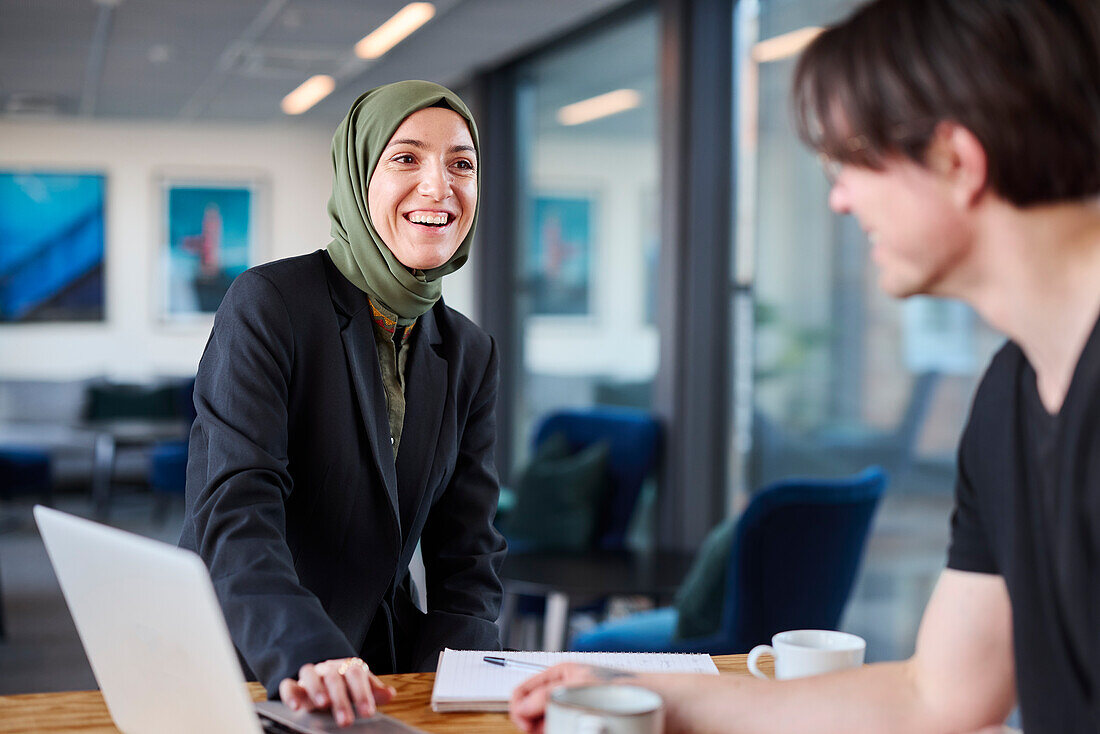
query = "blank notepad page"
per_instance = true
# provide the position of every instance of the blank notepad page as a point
(465, 682)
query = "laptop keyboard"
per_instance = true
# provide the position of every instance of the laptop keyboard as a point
(274, 727)
(378, 724)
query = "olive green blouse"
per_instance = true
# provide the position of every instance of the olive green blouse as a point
(392, 342)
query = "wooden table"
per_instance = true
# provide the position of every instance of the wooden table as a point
(84, 711)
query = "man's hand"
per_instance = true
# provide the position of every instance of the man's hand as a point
(337, 684)
(529, 699)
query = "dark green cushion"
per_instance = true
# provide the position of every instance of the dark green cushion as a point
(554, 446)
(558, 497)
(699, 599)
(113, 402)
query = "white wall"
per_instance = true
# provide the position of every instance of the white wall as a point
(292, 162)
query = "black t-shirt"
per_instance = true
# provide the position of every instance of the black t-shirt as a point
(1028, 508)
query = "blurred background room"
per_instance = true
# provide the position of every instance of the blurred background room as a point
(655, 258)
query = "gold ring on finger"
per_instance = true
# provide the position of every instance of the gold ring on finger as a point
(350, 663)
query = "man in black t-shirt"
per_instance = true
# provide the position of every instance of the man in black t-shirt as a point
(964, 135)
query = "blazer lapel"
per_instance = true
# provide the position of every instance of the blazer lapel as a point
(425, 396)
(362, 359)
(357, 333)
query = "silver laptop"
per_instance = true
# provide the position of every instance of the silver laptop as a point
(156, 639)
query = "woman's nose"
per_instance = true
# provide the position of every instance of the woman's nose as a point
(435, 182)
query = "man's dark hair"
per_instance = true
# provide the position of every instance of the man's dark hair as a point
(1022, 75)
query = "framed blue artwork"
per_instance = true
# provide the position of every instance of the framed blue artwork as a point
(51, 246)
(559, 260)
(209, 236)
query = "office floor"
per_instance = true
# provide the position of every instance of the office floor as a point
(42, 651)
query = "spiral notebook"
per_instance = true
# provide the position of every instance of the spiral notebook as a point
(465, 682)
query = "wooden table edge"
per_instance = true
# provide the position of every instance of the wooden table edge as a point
(86, 712)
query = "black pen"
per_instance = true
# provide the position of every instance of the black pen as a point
(509, 663)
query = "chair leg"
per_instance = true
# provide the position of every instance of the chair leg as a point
(530, 634)
(160, 508)
(556, 622)
(507, 616)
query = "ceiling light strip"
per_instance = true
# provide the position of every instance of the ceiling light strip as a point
(395, 30)
(308, 93)
(785, 45)
(602, 105)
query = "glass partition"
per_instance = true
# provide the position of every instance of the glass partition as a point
(588, 223)
(841, 376)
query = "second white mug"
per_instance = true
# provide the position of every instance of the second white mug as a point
(799, 653)
(604, 709)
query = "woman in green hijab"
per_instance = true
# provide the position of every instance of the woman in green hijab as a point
(346, 414)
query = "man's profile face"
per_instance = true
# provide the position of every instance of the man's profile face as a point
(919, 239)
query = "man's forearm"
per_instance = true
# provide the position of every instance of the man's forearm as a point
(961, 678)
(883, 698)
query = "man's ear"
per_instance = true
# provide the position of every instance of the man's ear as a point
(957, 155)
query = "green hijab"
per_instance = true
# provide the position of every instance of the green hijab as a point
(356, 249)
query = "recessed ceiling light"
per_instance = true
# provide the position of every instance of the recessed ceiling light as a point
(599, 106)
(395, 30)
(308, 93)
(159, 53)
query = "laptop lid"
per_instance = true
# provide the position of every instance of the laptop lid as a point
(151, 626)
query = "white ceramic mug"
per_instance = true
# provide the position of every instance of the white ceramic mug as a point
(604, 709)
(799, 653)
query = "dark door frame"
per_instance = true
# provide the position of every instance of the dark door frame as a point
(694, 287)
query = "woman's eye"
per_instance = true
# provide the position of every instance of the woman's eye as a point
(465, 164)
(404, 158)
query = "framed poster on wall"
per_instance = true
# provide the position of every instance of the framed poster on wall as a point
(209, 234)
(52, 243)
(559, 261)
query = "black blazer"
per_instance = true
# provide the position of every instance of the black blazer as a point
(293, 498)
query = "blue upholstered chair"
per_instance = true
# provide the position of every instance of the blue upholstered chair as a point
(168, 459)
(167, 474)
(25, 470)
(634, 444)
(792, 562)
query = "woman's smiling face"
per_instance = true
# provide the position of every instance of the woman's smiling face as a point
(423, 193)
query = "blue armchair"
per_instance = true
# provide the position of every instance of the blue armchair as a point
(792, 562)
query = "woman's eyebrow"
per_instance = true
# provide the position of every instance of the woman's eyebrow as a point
(407, 141)
(419, 144)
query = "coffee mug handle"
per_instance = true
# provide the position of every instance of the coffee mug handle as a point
(587, 724)
(755, 654)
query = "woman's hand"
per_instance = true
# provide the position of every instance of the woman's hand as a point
(528, 705)
(337, 684)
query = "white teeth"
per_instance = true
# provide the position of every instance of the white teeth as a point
(426, 218)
